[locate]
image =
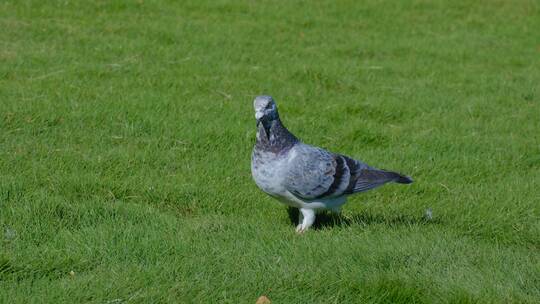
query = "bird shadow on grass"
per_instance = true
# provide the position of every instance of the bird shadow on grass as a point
(329, 219)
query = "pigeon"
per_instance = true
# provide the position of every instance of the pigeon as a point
(304, 176)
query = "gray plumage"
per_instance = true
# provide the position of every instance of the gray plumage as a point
(304, 176)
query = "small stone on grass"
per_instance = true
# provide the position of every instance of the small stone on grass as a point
(263, 300)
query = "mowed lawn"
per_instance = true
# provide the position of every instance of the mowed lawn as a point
(126, 130)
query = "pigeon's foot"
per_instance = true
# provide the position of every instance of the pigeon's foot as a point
(306, 218)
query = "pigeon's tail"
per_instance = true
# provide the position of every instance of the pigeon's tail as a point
(401, 179)
(392, 176)
(371, 178)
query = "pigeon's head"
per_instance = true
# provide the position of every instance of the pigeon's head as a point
(265, 108)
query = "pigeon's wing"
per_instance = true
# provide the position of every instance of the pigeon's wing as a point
(314, 173)
(310, 171)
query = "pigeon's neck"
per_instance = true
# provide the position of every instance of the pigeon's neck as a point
(274, 137)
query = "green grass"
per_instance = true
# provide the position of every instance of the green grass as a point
(126, 130)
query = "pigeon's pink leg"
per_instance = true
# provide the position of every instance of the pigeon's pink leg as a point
(300, 220)
(308, 219)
